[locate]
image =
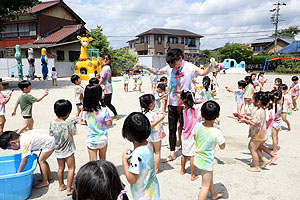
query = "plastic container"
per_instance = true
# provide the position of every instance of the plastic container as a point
(15, 185)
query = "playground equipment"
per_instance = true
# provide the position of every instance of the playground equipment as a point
(86, 68)
(18, 57)
(44, 60)
(266, 65)
(31, 60)
(231, 66)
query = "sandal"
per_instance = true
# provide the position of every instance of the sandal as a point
(169, 158)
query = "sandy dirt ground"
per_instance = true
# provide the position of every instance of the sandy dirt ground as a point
(278, 181)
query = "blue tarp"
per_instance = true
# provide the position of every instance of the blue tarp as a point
(291, 48)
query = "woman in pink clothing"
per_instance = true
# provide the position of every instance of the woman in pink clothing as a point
(191, 116)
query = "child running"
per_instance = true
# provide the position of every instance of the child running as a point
(147, 103)
(191, 116)
(138, 165)
(295, 87)
(207, 137)
(248, 94)
(277, 95)
(63, 130)
(126, 80)
(97, 119)
(3, 100)
(287, 105)
(239, 95)
(26, 100)
(257, 131)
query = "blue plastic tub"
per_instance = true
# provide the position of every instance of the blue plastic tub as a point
(15, 185)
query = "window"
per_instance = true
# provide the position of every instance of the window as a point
(130, 45)
(142, 40)
(60, 55)
(19, 30)
(147, 39)
(159, 39)
(192, 42)
(182, 40)
(74, 55)
(173, 40)
(258, 49)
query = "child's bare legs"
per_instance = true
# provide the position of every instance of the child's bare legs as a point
(208, 185)
(262, 147)
(28, 123)
(164, 105)
(134, 87)
(245, 107)
(92, 154)
(262, 157)
(183, 161)
(102, 152)
(284, 118)
(79, 109)
(192, 166)
(45, 169)
(253, 146)
(140, 87)
(294, 98)
(2, 122)
(251, 108)
(125, 87)
(60, 174)
(179, 130)
(71, 171)
(55, 80)
(156, 148)
(239, 108)
(275, 139)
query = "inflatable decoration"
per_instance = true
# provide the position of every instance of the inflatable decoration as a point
(44, 60)
(86, 68)
(231, 66)
(31, 60)
(18, 57)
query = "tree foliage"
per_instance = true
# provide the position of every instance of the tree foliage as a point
(9, 9)
(122, 59)
(291, 31)
(99, 40)
(239, 52)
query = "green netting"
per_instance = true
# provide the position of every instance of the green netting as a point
(93, 53)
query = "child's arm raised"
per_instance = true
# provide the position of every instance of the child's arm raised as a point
(131, 178)
(22, 164)
(40, 99)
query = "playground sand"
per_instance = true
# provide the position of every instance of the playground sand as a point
(279, 181)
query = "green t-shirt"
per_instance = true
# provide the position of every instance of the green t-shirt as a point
(26, 101)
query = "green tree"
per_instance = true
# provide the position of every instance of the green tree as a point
(239, 52)
(290, 31)
(122, 59)
(99, 41)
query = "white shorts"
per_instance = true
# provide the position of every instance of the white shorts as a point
(277, 125)
(188, 146)
(97, 145)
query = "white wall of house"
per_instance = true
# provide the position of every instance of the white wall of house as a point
(153, 61)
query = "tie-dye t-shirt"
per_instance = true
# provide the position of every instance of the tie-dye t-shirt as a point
(139, 79)
(126, 78)
(295, 89)
(97, 129)
(142, 163)
(206, 140)
(179, 80)
(106, 74)
(248, 93)
(36, 140)
(205, 95)
(63, 133)
(239, 96)
(286, 103)
(191, 116)
(157, 132)
(258, 131)
(270, 115)
(2, 104)
(78, 91)
(157, 101)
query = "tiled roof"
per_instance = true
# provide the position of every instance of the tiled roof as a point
(39, 46)
(164, 31)
(43, 5)
(60, 35)
(271, 39)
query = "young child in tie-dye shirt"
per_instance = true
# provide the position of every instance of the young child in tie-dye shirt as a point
(138, 165)
(207, 137)
(286, 105)
(295, 87)
(97, 119)
(147, 103)
(191, 116)
(239, 95)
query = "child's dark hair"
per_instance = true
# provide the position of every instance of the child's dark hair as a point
(260, 73)
(163, 78)
(107, 55)
(206, 82)
(98, 180)
(242, 83)
(277, 95)
(136, 127)
(253, 74)
(174, 55)
(6, 137)
(127, 71)
(248, 80)
(262, 97)
(270, 95)
(295, 78)
(74, 78)
(145, 101)
(279, 80)
(94, 81)
(62, 107)
(188, 98)
(91, 99)
(210, 110)
(23, 84)
(215, 73)
(283, 87)
(53, 69)
(161, 86)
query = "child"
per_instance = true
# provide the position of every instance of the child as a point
(287, 105)
(78, 90)
(260, 80)
(248, 94)
(26, 100)
(147, 103)
(33, 140)
(159, 96)
(134, 77)
(153, 79)
(97, 118)
(164, 80)
(277, 83)
(191, 116)
(126, 80)
(139, 80)
(239, 95)
(277, 95)
(63, 132)
(207, 137)
(257, 131)
(3, 100)
(206, 93)
(214, 81)
(138, 165)
(97, 180)
(255, 83)
(295, 87)
(54, 76)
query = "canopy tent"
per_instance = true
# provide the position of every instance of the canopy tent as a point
(266, 66)
(294, 47)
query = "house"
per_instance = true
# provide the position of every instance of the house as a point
(51, 25)
(268, 44)
(157, 41)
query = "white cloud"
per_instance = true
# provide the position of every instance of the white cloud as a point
(244, 16)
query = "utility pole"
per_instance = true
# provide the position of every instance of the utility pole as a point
(275, 19)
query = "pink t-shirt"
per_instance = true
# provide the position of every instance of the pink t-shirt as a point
(190, 117)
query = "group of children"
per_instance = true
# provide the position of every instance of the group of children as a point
(137, 80)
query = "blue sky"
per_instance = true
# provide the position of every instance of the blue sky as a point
(214, 18)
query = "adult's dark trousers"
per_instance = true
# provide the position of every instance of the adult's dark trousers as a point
(107, 101)
(174, 115)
